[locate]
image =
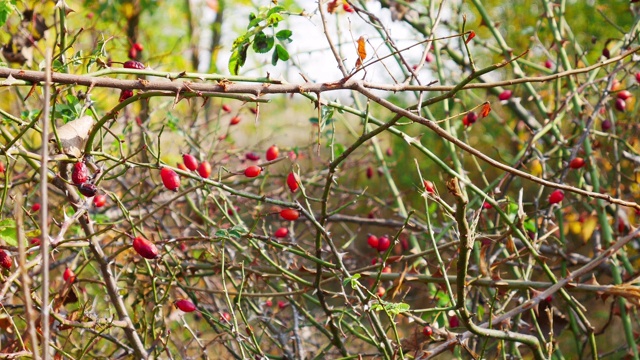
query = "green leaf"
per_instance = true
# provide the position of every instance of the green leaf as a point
(338, 149)
(274, 19)
(530, 225)
(6, 8)
(8, 232)
(352, 280)
(283, 54)
(284, 35)
(237, 59)
(275, 9)
(262, 43)
(222, 233)
(313, 120)
(274, 58)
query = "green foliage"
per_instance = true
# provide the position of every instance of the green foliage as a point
(267, 19)
(7, 7)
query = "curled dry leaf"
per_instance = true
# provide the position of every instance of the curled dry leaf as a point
(472, 34)
(331, 7)
(362, 51)
(73, 136)
(486, 109)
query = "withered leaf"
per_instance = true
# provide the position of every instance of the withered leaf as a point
(73, 136)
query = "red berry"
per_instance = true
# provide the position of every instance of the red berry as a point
(548, 64)
(235, 120)
(132, 64)
(181, 167)
(386, 270)
(190, 162)
(621, 226)
(429, 187)
(373, 241)
(87, 189)
(80, 173)
(606, 125)
(638, 77)
(125, 94)
(290, 214)
(145, 248)
(170, 179)
(427, 331)
(133, 53)
(374, 260)
(469, 119)
(268, 303)
(5, 260)
(381, 291)
(252, 171)
(35, 241)
(272, 153)
(577, 163)
(389, 152)
(226, 317)
(346, 7)
(505, 95)
(429, 58)
(35, 207)
(226, 108)
(620, 105)
(254, 110)
(293, 181)
(624, 94)
(486, 205)
(556, 196)
(204, 169)
(138, 46)
(383, 243)
(100, 200)
(69, 275)
(454, 322)
(2, 168)
(369, 172)
(282, 304)
(606, 53)
(185, 305)
(281, 232)
(252, 156)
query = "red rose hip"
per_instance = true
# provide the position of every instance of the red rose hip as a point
(290, 214)
(272, 153)
(373, 241)
(556, 196)
(505, 95)
(190, 162)
(5, 260)
(204, 169)
(69, 275)
(80, 173)
(100, 200)
(293, 181)
(620, 105)
(281, 232)
(145, 248)
(383, 243)
(577, 163)
(170, 179)
(185, 305)
(252, 171)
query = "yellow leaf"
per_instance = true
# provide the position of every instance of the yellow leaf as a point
(588, 226)
(536, 168)
(362, 51)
